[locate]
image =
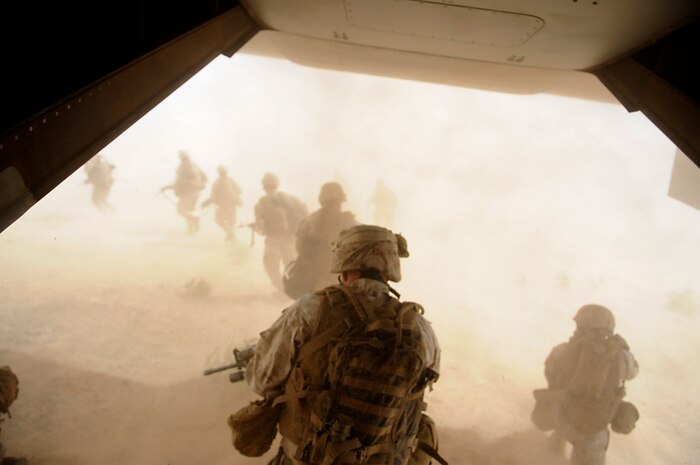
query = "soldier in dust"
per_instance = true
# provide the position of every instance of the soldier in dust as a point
(383, 202)
(9, 388)
(190, 180)
(362, 416)
(277, 217)
(99, 174)
(226, 195)
(314, 242)
(587, 376)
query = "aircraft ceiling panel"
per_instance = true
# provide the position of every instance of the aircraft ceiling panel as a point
(442, 22)
(573, 34)
(494, 77)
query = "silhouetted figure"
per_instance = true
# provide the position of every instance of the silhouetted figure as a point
(585, 388)
(226, 195)
(9, 389)
(314, 237)
(277, 217)
(383, 203)
(347, 365)
(190, 180)
(99, 175)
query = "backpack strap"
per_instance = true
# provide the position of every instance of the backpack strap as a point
(363, 311)
(342, 451)
(319, 341)
(287, 397)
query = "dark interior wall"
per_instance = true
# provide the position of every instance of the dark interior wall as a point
(51, 50)
(663, 82)
(675, 59)
(79, 78)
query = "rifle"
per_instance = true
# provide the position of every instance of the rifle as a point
(252, 231)
(161, 192)
(242, 357)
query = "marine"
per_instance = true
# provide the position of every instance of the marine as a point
(99, 174)
(277, 217)
(226, 195)
(314, 236)
(189, 182)
(384, 203)
(586, 379)
(343, 370)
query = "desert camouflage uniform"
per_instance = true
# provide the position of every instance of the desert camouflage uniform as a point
(315, 236)
(271, 221)
(587, 449)
(360, 247)
(190, 180)
(99, 174)
(276, 349)
(226, 195)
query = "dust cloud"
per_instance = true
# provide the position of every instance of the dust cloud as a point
(517, 211)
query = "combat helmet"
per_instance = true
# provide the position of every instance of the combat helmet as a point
(367, 246)
(331, 192)
(595, 316)
(270, 180)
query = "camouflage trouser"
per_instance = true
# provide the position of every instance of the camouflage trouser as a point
(226, 218)
(185, 207)
(279, 250)
(587, 449)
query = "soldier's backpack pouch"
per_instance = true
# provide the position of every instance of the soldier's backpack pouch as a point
(548, 403)
(626, 418)
(9, 387)
(254, 427)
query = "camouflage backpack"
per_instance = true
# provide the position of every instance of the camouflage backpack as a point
(363, 395)
(9, 388)
(595, 390)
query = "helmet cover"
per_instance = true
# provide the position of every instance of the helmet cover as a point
(367, 246)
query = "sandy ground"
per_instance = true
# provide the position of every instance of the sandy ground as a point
(110, 372)
(109, 347)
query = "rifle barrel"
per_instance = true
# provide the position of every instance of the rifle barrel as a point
(222, 368)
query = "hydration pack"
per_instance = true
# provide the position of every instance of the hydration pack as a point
(595, 389)
(280, 213)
